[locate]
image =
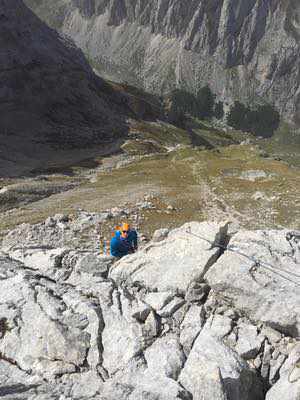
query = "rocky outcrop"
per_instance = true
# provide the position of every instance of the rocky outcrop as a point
(257, 272)
(52, 105)
(184, 259)
(289, 375)
(245, 49)
(75, 324)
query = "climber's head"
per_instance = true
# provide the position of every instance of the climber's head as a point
(125, 230)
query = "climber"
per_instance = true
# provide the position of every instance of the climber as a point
(130, 235)
(124, 241)
(118, 247)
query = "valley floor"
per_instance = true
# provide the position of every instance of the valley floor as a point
(240, 183)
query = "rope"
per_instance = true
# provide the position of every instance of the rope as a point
(256, 262)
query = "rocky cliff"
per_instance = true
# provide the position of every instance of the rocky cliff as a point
(199, 313)
(51, 103)
(245, 49)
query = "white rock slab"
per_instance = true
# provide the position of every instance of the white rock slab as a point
(176, 261)
(270, 292)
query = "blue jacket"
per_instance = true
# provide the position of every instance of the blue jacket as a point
(119, 247)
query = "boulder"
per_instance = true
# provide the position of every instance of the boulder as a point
(156, 387)
(284, 388)
(8, 267)
(275, 366)
(148, 386)
(85, 385)
(165, 357)
(12, 375)
(271, 334)
(94, 264)
(141, 312)
(175, 262)
(249, 341)
(191, 326)
(214, 371)
(159, 235)
(46, 261)
(260, 274)
(169, 309)
(289, 382)
(16, 384)
(86, 267)
(219, 325)
(158, 300)
(197, 292)
(120, 343)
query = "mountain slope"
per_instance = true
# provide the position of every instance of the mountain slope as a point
(245, 49)
(52, 105)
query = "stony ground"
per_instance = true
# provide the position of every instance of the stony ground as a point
(184, 318)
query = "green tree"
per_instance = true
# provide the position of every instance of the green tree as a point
(219, 110)
(205, 102)
(237, 116)
(178, 104)
(176, 117)
(262, 121)
(265, 121)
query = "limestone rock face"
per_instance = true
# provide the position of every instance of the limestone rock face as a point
(50, 99)
(269, 291)
(243, 49)
(74, 325)
(41, 333)
(289, 381)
